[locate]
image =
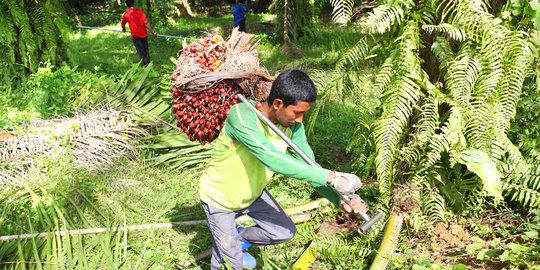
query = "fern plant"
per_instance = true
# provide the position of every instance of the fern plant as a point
(449, 89)
(31, 32)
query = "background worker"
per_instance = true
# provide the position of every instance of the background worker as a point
(246, 155)
(238, 14)
(137, 25)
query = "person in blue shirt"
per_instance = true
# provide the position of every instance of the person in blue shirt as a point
(238, 13)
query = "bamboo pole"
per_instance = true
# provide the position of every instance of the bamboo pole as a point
(389, 242)
(108, 229)
(291, 211)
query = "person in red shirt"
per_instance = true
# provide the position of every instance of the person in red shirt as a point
(137, 25)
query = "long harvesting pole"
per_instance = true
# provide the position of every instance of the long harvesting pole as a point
(116, 30)
(368, 220)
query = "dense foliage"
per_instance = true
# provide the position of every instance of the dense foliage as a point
(31, 32)
(450, 106)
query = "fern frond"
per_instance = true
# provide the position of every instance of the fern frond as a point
(442, 50)
(429, 10)
(451, 30)
(450, 135)
(355, 55)
(382, 19)
(523, 184)
(428, 123)
(514, 155)
(434, 207)
(417, 221)
(337, 250)
(385, 74)
(342, 10)
(509, 89)
(462, 75)
(397, 107)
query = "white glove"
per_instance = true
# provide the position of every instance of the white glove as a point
(346, 183)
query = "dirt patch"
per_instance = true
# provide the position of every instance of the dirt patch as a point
(449, 235)
(403, 199)
(348, 221)
(473, 263)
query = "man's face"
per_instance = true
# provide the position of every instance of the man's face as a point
(292, 114)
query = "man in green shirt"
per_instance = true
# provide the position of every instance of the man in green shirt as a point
(246, 155)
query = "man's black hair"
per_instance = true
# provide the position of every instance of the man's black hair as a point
(291, 86)
(130, 3)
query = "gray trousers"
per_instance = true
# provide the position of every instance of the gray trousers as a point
(274, 226)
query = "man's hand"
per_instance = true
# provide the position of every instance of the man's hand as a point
(356, 204)
(154, 33)
(344, 183)
(123, 29)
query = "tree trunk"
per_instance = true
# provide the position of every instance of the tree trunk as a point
(184, 7)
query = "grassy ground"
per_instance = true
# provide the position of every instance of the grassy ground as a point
(113, 52)
(133, 192)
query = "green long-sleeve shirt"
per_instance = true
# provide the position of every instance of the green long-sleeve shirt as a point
(247, 153)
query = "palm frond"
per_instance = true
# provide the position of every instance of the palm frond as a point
(96, 138)
(383, 17)
(31, 32)
(58, 250)
(176, 150)
(342, 10)
(451, 30)
(522, 184)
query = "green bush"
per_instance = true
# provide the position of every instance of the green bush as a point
(50, 91)
(55, 91)
(525, 131)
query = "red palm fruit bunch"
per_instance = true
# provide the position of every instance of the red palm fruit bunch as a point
(203, 55)
(209, 73)
(201, 115)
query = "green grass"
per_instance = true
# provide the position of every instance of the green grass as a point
(133, 193)
(114, 52)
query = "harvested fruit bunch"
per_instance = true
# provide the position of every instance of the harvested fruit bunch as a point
(202, 56)
(201, 114)
(209, 73)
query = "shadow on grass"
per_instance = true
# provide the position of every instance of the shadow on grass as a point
(201, 238)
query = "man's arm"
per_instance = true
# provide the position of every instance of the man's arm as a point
(147, 24)
(241, 125)
(124, 21)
